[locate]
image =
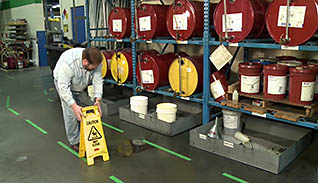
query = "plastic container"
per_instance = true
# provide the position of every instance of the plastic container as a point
(246, 18)
(218, 86)
(250, 77)
(167, 112)
(301, 85)
(275, 81)
(231, 122)
(139, 104)
(315, 68)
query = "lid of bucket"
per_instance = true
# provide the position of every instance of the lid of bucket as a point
(228, 112)
(301, 69)
(276, 67)
(250, 65)
(290, 63)
(167, 105)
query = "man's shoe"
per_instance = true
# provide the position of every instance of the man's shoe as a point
(75, 147)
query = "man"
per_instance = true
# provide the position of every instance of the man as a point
(74, 71)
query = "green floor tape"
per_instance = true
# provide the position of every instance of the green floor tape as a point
(167, 150)
(50, 100)
(14, 112)
(234, 178)
(44, 91)
(10, 77)
(36, 126)
(8, 101)
(112, 127)
(115, 179)
(70, 150)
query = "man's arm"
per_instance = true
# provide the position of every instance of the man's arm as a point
(98, 82)
(98, 86)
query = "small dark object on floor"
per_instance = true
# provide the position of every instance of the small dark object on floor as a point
(138, 145)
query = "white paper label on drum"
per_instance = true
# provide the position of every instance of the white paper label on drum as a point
(180, 22)
(145, 23)
(277, 85)
(121, 70)
(147, 76)
(117, 25)
(296, 18)
(189, 69)
(307, 91)
(233, 22)
(250, 84)
(108, 63)
(230, 122)
(217, 89)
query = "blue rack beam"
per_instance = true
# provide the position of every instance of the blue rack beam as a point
(110, 81)
(267, 46)
(133, 44)
(99, 39)
(172, 41)
(194, 98)
(206, 64)
(87, 23)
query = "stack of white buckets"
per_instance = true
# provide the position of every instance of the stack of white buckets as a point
(165, 111)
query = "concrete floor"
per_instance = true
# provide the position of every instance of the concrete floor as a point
(27, 155)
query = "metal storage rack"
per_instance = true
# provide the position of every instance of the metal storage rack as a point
(206, 41)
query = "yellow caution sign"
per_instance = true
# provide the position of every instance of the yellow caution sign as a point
(92, 139)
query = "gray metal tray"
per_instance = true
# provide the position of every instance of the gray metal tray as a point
(188, 116)
(275, 145)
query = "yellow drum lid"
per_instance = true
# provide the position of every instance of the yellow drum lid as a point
(104, 66)
(189, 77)
(119, 67)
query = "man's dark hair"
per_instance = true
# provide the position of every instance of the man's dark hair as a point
(93, 56)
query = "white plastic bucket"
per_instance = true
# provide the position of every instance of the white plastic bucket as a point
(167, 112)
(231, 122)
(139, 104)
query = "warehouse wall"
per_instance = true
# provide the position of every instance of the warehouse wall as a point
(67, 4)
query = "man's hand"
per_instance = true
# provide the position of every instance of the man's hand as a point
(97, 103)
(77, 111)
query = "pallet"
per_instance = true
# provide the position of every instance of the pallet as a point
(280, 108)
